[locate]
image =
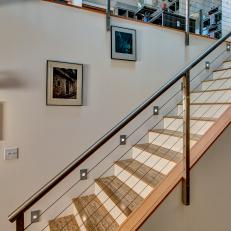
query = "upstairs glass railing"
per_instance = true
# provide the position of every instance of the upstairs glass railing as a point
(207, 18)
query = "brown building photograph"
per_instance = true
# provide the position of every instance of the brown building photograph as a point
(64, 83)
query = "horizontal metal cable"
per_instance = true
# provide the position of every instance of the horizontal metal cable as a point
(147, 160)
(123, 123)
(162, 106)
(155, 163)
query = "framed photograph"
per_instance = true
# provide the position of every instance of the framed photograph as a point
(123, 43)
(64, 83)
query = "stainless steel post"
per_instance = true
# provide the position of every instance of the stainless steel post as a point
(186, 139)
(108, 15)
(187, 22)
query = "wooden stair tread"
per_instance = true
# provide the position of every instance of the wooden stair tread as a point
(161, 152)
(142, 171)
(121, 194)
(192, 118)
(67, 223)
(94, 214)
(175, 133)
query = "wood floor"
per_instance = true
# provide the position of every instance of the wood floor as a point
(122, 195)
(94, 215)
(64, 223)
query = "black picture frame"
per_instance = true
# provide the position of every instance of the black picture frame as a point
(64, 83)
(125, 49)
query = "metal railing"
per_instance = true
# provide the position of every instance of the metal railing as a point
(158, 13)
(191, 19)
(184, 74)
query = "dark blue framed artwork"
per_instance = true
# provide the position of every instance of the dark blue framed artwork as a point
(123, 43)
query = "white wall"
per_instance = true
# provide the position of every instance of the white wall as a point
(50, 137)
(210, 195)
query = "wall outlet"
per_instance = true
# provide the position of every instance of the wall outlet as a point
(10, 153)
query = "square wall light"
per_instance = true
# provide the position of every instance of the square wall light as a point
(35, 215)
(207, 65)
(156, 110)
(228, 48)
(123, 139)
(83, 174)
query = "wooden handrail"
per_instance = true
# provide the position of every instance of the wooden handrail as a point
(18, 213)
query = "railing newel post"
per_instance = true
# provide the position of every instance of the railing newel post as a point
(20, 222)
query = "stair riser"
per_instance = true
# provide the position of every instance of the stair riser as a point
(196, 126)
(133, 182)
(111, 207)
(216, 84)
(211, 97)
(226, 65)
(209, 111)
(157, 163)
(167, 141)
(79, 220)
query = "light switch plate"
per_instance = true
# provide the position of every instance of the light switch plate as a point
(10, 153)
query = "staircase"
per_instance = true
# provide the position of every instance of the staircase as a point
(118, 198)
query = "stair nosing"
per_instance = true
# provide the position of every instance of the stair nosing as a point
(201, 91)
(226, 61)
(210, 80)
(174, 133)
(222, 69)
(192, 118)
(217, 103)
